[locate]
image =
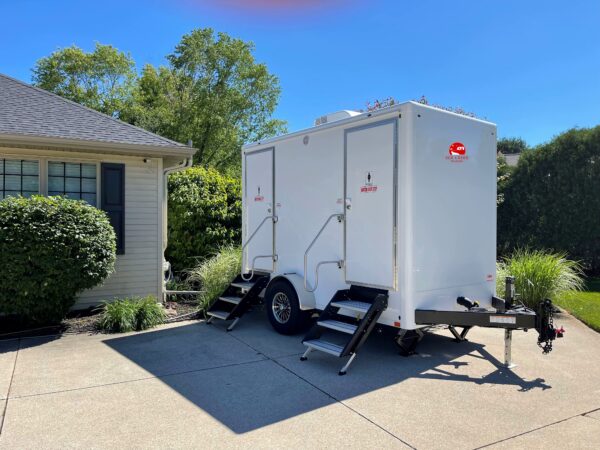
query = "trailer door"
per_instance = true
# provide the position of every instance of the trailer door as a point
(370, 191)
(259, 198)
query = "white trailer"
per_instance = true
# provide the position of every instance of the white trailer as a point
(386, 217)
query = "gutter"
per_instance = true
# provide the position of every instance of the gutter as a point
(187, 162)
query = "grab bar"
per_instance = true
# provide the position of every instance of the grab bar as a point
(272, 217)
(340, 263)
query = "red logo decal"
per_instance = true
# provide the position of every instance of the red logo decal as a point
(368, 189)
(457, 148)
(457, 152)
(259, 198)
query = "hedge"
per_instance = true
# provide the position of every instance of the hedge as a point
(204, 214)
(50, 250)
(552, 199)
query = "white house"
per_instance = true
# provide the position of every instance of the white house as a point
(52, 146)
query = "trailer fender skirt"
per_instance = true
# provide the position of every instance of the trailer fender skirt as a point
(306, 299)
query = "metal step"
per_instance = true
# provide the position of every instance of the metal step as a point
(218, 314)
(338, 326)
(353, 305)
(231, 299)
(324, 346)
(245, 285)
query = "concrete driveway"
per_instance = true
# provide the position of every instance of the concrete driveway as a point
(194, 385)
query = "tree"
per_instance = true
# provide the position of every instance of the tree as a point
(102, 80)
(503, 173)
(551, 199)
(510, 146)
(212, 92)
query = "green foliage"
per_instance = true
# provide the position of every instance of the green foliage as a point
(50, 250)
(118, 316)
(204, 214)
(539, 275)
(508, 146)
(503, 173)
(551, 199)
(583, 305)
(149, 313)
(214, 93)
(102, 80)
(216, 273)
(128, 314)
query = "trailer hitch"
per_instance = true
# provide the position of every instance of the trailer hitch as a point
(545, 326)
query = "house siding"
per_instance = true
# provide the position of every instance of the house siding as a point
(138, 271)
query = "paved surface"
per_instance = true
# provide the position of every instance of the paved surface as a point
(193, 385)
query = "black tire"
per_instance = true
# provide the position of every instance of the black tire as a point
(286, 317)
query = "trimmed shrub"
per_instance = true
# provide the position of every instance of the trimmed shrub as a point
(551, 199)
(128, 314)
(216, 273)
(51, 248)
(539, 275)
(204, 214)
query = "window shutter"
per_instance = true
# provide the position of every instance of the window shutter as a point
(112, 199)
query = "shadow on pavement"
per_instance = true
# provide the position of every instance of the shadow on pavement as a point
(252, 377)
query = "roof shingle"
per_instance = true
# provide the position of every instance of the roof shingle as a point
(30, 111)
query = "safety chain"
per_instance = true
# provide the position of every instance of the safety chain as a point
(547, 333)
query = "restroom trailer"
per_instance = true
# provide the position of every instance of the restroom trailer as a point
(379, 218)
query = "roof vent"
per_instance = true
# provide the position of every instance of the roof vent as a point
(333, 117)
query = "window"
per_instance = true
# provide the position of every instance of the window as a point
(19, 177)
(73, 180)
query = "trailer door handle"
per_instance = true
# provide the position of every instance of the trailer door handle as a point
(348, 204)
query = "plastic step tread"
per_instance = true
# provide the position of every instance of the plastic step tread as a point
(338, 326)
(243, 284)
(231, 299)
(353, 305)
(324, 346)
(218, 314)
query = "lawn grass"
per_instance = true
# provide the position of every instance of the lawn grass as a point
(584, 305)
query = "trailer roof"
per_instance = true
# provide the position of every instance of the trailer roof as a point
(358, 118)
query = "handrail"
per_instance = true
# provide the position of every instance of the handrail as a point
(340, 263)
(272, 217)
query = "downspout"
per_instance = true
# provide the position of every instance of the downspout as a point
(184, 165)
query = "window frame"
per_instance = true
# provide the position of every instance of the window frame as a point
(95, 163)
(22, 158)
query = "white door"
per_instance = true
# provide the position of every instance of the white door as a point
(370, 191)
(259, 199)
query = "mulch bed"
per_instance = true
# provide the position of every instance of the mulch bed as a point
(86, 321)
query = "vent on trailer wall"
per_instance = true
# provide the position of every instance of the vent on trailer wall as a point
(333, 117)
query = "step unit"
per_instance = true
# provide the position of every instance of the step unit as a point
(350, 316)
(237, 299)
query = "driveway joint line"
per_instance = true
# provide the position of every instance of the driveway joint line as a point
(185, 372)
(12, 376)
(539, 428)
(322, 391)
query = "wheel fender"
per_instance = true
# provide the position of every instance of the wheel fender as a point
(305, 298)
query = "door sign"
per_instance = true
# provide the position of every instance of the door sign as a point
(369, 183)
(258, 197)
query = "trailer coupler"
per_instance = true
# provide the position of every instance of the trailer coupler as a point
(506, 315)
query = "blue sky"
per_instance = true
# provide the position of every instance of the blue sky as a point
(532, 67)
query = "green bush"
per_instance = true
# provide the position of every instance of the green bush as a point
(539, 275)
(50, 250)
(128, 314)
(216, 273)
(204, 213)
(551, 199)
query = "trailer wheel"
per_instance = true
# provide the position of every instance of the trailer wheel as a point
(283, 308)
